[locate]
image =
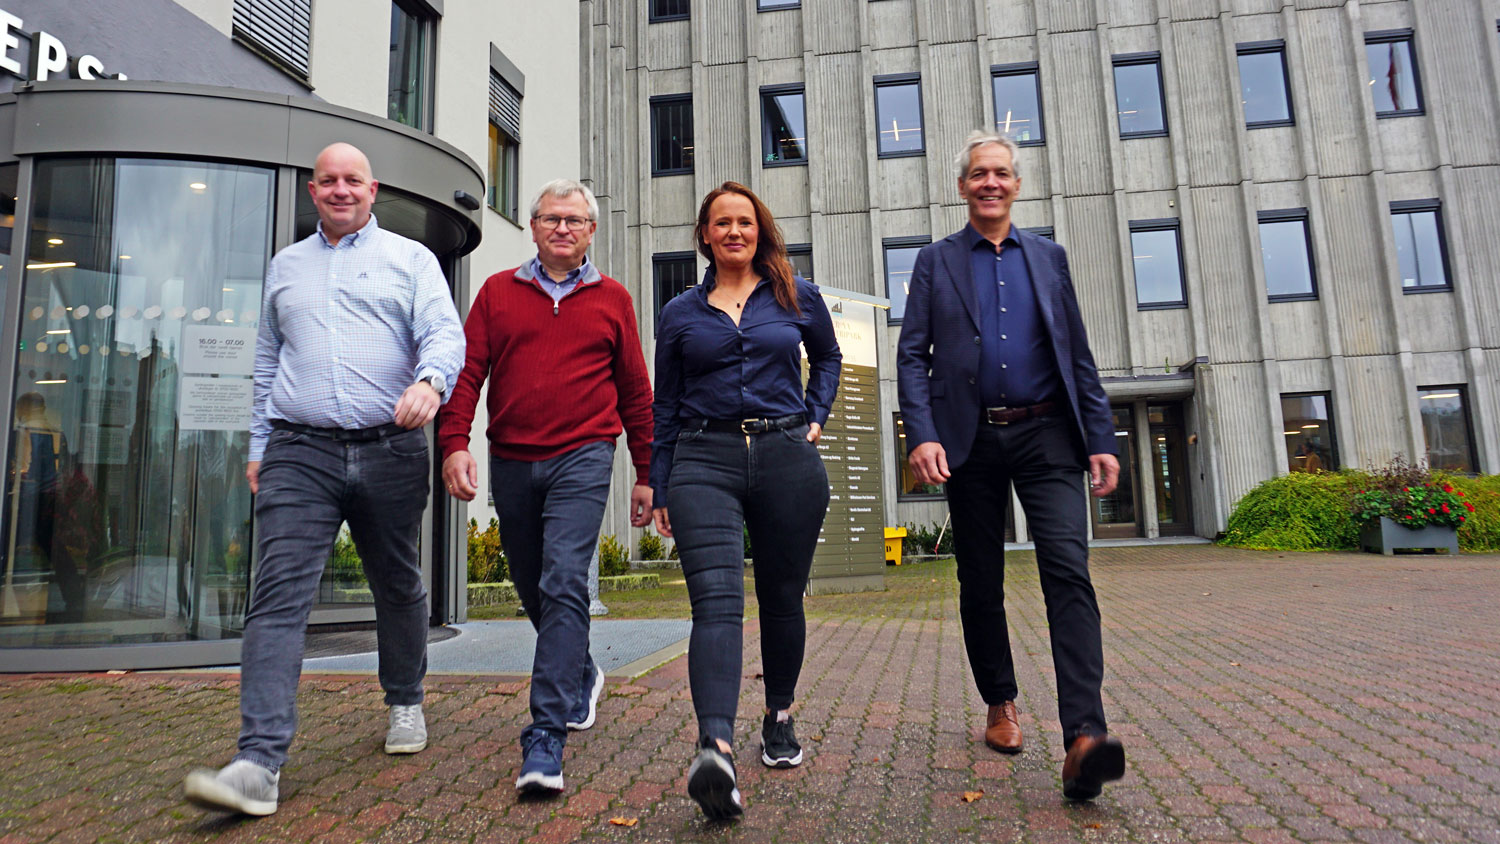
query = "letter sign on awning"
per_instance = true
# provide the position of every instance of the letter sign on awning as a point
(49, 58)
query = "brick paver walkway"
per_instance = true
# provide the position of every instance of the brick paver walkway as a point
(1262, 697)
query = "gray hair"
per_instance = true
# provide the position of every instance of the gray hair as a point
(562, 189)
(982, 137)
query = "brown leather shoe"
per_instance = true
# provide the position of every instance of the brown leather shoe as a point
(1001, 729)
(1091, 762)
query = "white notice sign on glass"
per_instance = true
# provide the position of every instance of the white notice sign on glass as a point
(214, 404)
(218, 350)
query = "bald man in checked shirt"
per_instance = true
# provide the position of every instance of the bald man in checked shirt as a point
(359, 341)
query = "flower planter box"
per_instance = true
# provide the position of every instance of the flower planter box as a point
(1385, 536)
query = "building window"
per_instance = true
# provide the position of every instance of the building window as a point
(1018, 103)
(1156, 248)
(800, 254)
(1139, 95)
(898, 115)
(1286, 255)
(1421, 252)
(671, 134)
(1394, 82)
(505, 147)
(1263, 90)
(671, 274)
(1042, 231)
(911, 489)
(1447, 429)
(783, 125)
(669, 10)
(1308, 433)
(900, 257)
(769, 5)
(279, 30)
(412, 35)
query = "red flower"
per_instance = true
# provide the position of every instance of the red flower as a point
(1462, 518)
(1460, 493)
(1447, 487)
(1445, 508)
(1408, 515)
(1406, 489)
(1432, 511)
(1470, 506)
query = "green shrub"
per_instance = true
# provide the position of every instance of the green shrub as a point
(487, 563)
(613, 558)
(924, 540)
(1301, 511)
(1481, 531)
(345, 564)
(651, 547)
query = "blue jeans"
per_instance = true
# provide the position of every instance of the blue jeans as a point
(308, 486)
(549, 513)
(775, 486)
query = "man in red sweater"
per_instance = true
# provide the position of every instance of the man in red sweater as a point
(559, 345)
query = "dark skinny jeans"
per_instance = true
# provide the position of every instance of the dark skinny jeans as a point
(775, 485)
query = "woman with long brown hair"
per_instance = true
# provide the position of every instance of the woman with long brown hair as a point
(735, 450)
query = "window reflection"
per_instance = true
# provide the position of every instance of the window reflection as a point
(1446, 429)
(1115, 514)
(1419, 246)
(900, 258)
(1393, 75)
(1309, 435)
(1018, 110)
(1285, 257)
(127, 512)
(1158, 271)
(1263, 90)
(898, 117)
(784, 127)
(1138, 97)
(911, 487)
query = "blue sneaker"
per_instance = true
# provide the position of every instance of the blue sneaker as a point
(541, 764)
(583, 715)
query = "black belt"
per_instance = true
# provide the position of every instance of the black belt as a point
(348, 435)
(1007, 415)
(747, 426)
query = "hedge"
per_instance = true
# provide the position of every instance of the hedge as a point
(1305, 511)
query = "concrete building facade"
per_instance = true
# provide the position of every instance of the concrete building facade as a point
(1282, 218)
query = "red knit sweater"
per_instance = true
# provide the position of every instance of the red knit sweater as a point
(559, 378)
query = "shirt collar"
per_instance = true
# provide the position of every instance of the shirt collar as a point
(539, 272)
(974, 238)
(353, 238)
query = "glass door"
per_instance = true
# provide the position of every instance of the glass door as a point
(1169, 470)
(1116, 515)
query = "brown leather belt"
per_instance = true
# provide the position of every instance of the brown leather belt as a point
(1007, 415)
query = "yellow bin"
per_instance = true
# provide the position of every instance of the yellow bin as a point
(893, 544)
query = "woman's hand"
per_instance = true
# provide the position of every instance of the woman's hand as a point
(813, 432)
(663, 524)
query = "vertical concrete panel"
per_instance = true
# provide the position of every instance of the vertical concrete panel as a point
(952, 104)
(1236, 409)
(831, 24)
(1474, 209)
(1094, 261)
(1004, 20)
(1335, 96)
(1297, 330)
(1166, 340)
(723, 28)
(835, 114)
(721, 142)
(949, 20)
(669, 44)
(1131, 12)
(1356, 273)
(843, 256)
(892, 23)
(1375, 382)
(1077, 117)
(779, 34)
(1186, 10)
(1067, 15)
(1210, 104)
(1451, 44)
(1231, 297)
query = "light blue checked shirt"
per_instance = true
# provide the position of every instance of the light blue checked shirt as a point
(345, 329)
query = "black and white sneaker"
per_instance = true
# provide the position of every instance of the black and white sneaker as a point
(778, 743)
(712, 783)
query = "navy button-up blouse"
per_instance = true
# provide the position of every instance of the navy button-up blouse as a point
(709, 368)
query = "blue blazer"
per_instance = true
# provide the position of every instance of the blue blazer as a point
(937, 358)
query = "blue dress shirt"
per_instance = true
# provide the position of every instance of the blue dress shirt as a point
(558, 289)
(1016, 364)
(345, 328)
(709, 368)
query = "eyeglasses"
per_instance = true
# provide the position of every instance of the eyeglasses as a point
(552, 221)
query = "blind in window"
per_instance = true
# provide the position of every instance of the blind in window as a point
(282, 28)
(505, 106)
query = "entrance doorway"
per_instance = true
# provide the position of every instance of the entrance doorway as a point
(1152, 498)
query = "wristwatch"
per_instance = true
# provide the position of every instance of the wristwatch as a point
(437, 382)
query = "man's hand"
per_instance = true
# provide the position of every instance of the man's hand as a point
(640, 505)
(930, 463)
(417, 405)
(813, 432)
(461, 475)
(252, 474)
(1104, 474)
(663, 524)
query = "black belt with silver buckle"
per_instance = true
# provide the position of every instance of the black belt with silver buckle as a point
(748, 426)
(1007, 415)
(347, 435)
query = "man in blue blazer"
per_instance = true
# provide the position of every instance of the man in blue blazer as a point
(998, 387)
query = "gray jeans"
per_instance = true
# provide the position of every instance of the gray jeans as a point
(308, 486)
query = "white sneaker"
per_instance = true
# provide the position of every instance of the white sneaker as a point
(241, 786)
(408, 730)
(583, 716)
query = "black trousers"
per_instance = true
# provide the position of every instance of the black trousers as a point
(1041, 457)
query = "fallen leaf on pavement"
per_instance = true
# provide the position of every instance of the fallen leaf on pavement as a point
(624, 821)
(971, 796)
(1234, 663)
